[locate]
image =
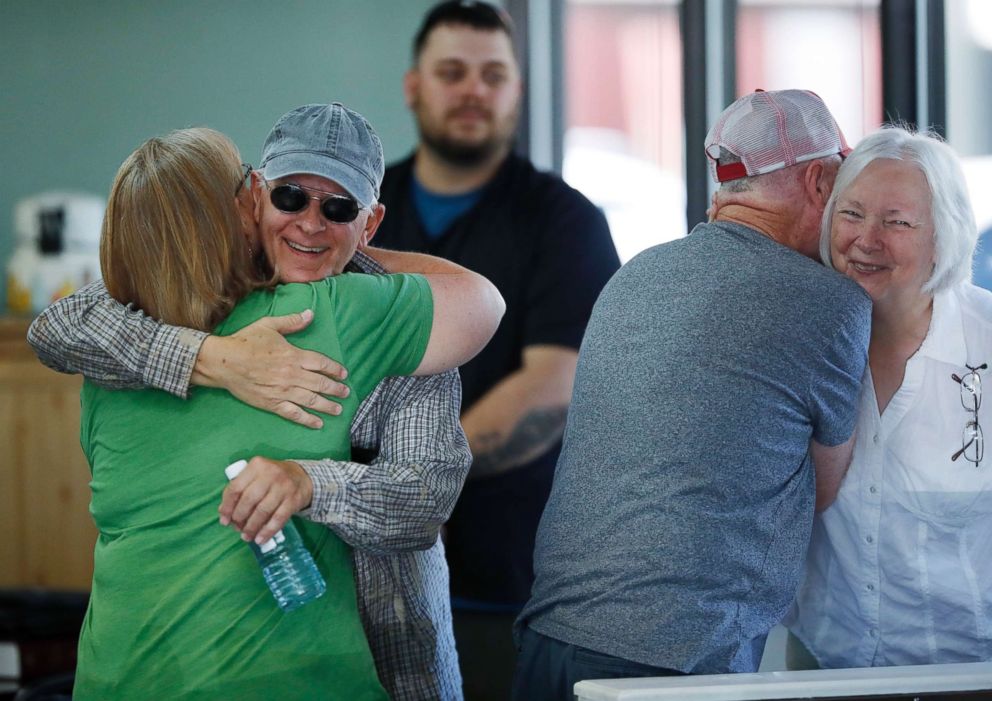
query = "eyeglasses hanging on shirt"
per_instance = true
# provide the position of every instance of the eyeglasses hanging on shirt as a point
(972, 441)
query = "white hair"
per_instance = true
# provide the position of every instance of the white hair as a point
(955, 231)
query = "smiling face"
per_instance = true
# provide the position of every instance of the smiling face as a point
(304, 246)
(465, 92)
(882, 232)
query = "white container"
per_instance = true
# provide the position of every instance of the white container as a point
(57, 251)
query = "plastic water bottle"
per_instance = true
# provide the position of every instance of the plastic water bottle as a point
(287, 565)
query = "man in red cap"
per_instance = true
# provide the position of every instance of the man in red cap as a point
(715, 371)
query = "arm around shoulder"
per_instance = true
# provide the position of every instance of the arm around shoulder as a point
(91, 333)
(467, 307)
(467, 311)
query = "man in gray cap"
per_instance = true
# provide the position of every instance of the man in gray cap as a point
(316, 206)
(326, 153)
(715, 371)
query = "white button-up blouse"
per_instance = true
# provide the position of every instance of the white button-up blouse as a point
(900, 566)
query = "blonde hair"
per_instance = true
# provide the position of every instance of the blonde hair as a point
(172, 242)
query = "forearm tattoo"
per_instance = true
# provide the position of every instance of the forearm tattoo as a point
(531, 436)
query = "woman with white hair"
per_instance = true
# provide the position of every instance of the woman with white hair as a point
(900, 565)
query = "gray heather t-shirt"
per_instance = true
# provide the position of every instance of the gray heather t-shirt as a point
(683, 498)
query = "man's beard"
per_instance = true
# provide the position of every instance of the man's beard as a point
(459, 153)
(466, 154)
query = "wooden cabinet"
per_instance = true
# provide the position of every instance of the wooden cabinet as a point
(47, 533)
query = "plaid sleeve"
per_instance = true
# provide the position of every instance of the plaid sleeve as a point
(400, 500)
(361, 263)
(91, 333)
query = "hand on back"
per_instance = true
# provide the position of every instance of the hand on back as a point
(261, 368)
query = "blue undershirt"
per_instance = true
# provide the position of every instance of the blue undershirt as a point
(437, 212)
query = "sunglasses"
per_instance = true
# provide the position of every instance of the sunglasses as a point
(291, 199)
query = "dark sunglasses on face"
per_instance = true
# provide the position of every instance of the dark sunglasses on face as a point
(290, 198)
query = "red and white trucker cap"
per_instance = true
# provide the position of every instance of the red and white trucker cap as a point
(772, 130)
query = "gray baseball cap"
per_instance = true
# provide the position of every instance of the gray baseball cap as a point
(331, 141)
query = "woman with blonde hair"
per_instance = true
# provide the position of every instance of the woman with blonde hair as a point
(179, 608)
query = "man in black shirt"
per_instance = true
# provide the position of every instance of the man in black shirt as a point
(464, 196)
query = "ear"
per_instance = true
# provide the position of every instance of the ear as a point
(818, 182)
(371, 225)
(411, 87)
(714, 208)
(256, 193)
(244, 207)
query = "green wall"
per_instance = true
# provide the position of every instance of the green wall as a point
(83, 82)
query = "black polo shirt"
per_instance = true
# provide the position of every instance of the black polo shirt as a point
(549, 252)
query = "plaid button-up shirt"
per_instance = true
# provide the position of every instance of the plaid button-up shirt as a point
(389, 511)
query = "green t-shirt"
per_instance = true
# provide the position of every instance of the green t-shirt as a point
(179, 607)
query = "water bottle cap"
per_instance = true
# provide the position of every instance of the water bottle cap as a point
(273, 542)
(235, 468)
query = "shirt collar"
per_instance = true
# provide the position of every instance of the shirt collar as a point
(363, 263)
(945, 340)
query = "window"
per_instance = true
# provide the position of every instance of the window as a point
(833, 48)
(623, 116)
(969, 66)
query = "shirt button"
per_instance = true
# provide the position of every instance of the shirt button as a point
(873, 489)
(875, 438)
(870, 587)
(873, 633)
(869, 539)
